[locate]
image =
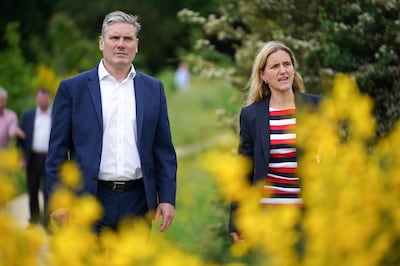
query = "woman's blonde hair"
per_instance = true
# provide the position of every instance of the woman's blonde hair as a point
(258, 89)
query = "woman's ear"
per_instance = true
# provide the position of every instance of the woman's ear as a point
(262, 75)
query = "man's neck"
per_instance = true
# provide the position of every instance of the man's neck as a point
(118, 73)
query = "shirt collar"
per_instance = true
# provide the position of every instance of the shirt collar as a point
(39, 111)
(103, 73)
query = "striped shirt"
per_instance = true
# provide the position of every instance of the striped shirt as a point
(282, 183)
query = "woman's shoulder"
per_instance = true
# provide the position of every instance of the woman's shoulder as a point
(253, 107)
(309, 98)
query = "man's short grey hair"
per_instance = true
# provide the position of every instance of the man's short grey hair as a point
(3, 93)
(119, 16)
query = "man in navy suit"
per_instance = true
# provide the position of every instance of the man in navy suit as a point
(113, 122)
(36, 124)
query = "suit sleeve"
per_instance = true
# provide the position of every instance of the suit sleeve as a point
(165, 156)
(60, 136)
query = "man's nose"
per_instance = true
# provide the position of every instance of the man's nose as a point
(120, 42)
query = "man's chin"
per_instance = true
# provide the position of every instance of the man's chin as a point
(122, 63)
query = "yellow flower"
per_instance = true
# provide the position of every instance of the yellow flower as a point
(85, 211)
(9, 160)
(7, 190)
(70, 174)
(62, 198)
(229, 170)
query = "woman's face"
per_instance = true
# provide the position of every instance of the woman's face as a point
(278, 72)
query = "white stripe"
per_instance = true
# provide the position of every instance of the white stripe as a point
(284, 164)
(281, 201)
(292, 190)
(282, 151)
(277, 109)
(283, 136)
(283, 177)
(280, 122)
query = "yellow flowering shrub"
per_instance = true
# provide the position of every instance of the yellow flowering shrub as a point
(17, 244)
(350, 187)
(45, 77)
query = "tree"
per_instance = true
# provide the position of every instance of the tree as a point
(327, 37)
(65, 50)
(161, 40)
(15, 72)
(162, 34)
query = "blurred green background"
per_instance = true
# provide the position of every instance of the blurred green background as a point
(45, 41)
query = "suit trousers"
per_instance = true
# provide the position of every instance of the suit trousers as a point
(36, 178)
(120, 205)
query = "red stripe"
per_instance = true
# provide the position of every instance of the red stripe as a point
(282, 170)
(283, 127)
(283, 155)
(282, 112)
(276, 180)
(283, 141)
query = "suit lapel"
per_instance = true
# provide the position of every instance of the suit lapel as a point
(262, 121)
(30, 127)
(139, 99)
(94, 91)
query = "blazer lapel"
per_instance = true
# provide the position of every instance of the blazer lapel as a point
(262, 122)
(94, 91)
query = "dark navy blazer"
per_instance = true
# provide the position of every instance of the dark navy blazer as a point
(254, 137)
(27, 125)
(77, 133)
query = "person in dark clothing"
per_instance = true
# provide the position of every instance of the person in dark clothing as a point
(267, 127)
(36, 124)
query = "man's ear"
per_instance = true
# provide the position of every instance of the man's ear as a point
(101, 43)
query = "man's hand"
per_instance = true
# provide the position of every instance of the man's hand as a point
(18, 132)
(166, 210)
(236, 237)
(59, 217)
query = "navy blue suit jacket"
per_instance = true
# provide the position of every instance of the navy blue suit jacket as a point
(77, 132)
(254, 137)
(27, 125)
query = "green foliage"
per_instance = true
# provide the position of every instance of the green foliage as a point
(162, 40)
(327, 37)
(194, 114)
(66, 50)
(201, 223)
(362, 38)
(15, 72)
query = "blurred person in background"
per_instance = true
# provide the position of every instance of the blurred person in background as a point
(113, 122)
(8, 122)
(36, 124)
(268, 128)
(182, 77)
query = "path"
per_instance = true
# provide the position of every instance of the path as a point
(19, 208)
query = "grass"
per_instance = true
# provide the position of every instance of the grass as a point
(200, 224)
(193, 114)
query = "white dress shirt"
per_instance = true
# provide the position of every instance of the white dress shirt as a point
(120, 156)
(41, 131)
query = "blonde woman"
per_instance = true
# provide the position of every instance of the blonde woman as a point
(267, 127)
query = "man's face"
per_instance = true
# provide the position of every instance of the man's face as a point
(43, 100)
(119, 45)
